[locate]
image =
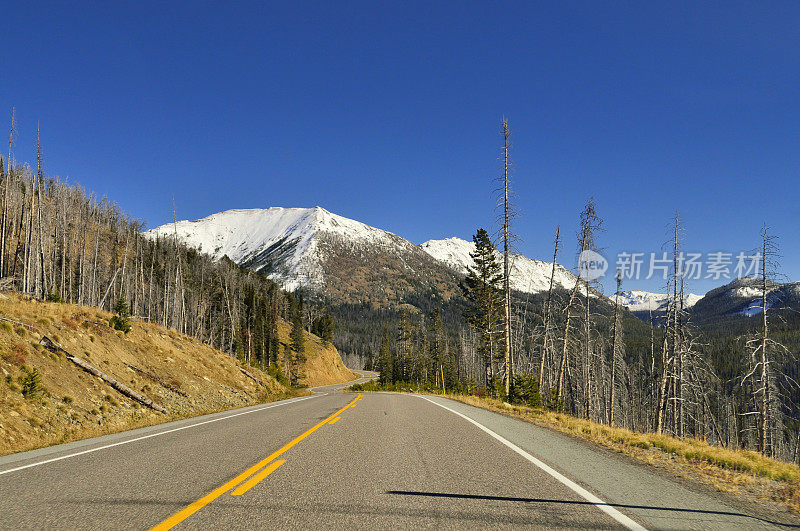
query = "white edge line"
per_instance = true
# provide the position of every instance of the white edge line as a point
(580, 491)
(154, 435)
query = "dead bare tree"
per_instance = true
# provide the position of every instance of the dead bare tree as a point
(547, 316)
(509, 376)
(590, 225)
(616, 332)
(6, 185)
(765, 350)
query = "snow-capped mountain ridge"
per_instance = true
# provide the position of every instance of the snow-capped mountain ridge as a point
(643, 301)
(285, 241)
(527, 275)
(742, 296)
(311, 248)
(329, 254)
(292, 245)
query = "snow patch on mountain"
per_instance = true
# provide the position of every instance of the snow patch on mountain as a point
(755, 308)
(527, 275)
(746, 292)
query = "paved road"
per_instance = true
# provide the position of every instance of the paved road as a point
(341, 460)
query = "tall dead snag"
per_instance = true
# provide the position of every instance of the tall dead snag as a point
(546, 316)
(29, 243)
(590, 224)
(6, 179)
(562, 366)
(615, 333)
(764, 351)
(669, 388)
(509, 376)
(177, 320)
(666, 362)
(41, 273)
(677, 347)
(767, 250)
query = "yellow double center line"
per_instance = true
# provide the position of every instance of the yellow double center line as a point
(182, 515)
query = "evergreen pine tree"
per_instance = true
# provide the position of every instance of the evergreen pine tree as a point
(324, 327)
(31, 382)
(121, 321)
(385, 365)
(482, 289)
(297, 339)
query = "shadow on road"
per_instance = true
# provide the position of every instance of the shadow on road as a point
(573, 502)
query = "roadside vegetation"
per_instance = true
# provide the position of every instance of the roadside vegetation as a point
(103, 328)
(46, 398)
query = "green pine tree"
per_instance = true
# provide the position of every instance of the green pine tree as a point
(30, 382)
(121, 321)
(482, 289)
(385, 365)
(297, 343)
(324, 327)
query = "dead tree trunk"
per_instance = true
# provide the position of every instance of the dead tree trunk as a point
(614, 333)
(546, 317)
(506, 271)
(6, 179)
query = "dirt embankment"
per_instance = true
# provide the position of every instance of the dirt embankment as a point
(176, 372)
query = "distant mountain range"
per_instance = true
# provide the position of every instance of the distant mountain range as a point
(742, 297)
(348, 261)
(644, 301)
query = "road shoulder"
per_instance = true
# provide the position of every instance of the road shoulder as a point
(624, 481)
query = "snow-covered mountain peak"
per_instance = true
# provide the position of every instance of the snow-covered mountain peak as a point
(527, 275)
(286, 242)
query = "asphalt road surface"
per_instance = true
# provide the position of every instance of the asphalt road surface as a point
(344, 460)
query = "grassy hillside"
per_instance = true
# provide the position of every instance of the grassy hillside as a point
(323, 364)
(176, 372)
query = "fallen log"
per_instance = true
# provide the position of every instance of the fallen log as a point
(47, 343)
(259, 382)
(6, 319)
(158, 380)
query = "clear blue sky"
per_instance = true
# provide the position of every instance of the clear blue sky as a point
(389, 113)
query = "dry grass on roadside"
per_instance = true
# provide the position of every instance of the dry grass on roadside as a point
(727, 470)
